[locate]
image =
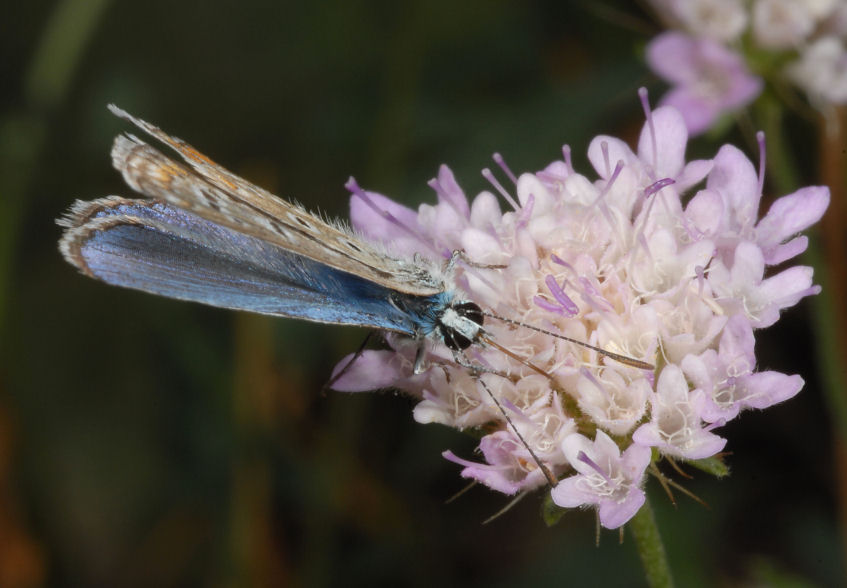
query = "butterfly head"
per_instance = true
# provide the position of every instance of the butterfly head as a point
(460, 324)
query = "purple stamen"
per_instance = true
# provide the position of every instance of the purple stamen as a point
(526, 213)
(558, 260)
(658, 185)
(486, 173)
(566, 152)
(615, 174)
(760, 139)
(436, 185)
(545, 304)
(648, 114)
(498, 159)
(587, 460)
(601, 199)
(357, 191)
(518, 412)
(593, 296)
(604, 148)
(560, 296)
(550, 179)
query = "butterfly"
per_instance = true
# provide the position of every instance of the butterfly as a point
(207, 235)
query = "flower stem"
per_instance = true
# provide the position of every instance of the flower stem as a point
(650, 547)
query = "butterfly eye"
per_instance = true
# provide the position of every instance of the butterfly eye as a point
(453, 339)
(470, 311)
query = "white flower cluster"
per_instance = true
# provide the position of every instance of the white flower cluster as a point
(809, 34)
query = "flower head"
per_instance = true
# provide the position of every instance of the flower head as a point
(717, 53)
(708, 78)
(638, 261)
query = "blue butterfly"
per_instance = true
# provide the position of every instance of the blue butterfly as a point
(209, 236)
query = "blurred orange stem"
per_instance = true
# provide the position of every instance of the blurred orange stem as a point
(831, 311)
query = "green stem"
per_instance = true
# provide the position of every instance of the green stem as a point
(650, 548)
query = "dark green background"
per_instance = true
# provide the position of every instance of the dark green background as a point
(148, 442)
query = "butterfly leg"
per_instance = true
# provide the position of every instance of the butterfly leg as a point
(419, 358)
(460, 255)
(348, 365)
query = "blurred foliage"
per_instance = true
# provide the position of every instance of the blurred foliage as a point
(148, 442)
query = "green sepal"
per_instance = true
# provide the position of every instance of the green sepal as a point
(551, 512)
(711, 465)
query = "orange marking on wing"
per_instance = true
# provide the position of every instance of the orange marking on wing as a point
(165, 173)
(196, 155)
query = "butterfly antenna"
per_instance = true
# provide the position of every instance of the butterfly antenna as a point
(551, 479)
(348, 365)
(630, 361)
(513, 355)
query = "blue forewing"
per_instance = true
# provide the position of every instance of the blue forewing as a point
(158, 248)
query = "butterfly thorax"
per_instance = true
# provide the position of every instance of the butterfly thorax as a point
(457, 323)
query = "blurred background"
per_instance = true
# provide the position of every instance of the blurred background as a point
(149, 442)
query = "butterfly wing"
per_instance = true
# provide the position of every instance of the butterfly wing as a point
(158, 248)
(211, 192)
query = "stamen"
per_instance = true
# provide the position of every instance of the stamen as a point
(566, 152)
(357, 191)
(545, 304)
(445, 196)
(436, 185)
(600, 201)
(518, 412)
(581, 456)
(611, 181)
(658, 185)
(498, 159)
(526, 212)
(592, 295)
(560, 296)
(648, 114)
(486, 173)
(551, 179)
(604, 148)
(558, 260)
(760, 139)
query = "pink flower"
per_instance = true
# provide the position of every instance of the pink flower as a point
(708, 79)
(636, 261)
(676, 427)
(705, 55)
(604, 478)
(728, 379)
